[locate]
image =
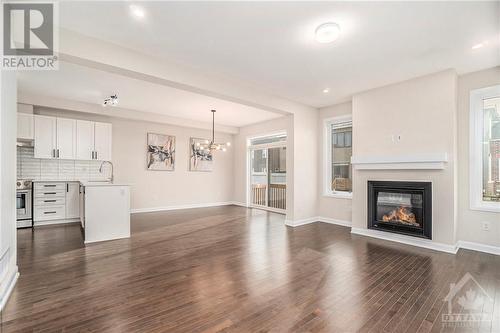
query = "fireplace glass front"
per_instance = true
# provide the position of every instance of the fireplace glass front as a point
(400, 207)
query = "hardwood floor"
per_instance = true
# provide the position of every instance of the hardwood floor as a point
(236, 270)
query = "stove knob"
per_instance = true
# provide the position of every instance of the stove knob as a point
(18, 184)
(26, 183)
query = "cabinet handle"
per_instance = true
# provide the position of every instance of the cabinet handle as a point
(49, 212)
(67, 187)
(53, 153)
(96, 156)
(57, 153)
(51, 185)
(49, 200)
(50, 193)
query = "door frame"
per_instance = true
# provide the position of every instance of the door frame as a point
(251, 148)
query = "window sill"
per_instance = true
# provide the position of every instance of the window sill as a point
(338, 195)
(485, 206)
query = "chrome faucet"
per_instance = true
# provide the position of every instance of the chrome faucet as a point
(102, 164)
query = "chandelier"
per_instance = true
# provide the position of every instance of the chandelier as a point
(211, 145)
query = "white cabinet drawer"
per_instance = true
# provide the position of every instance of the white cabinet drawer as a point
(50, 201)
(49, 194)
(44, 213)
(50, 187)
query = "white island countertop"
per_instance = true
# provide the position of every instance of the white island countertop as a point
(102, 183)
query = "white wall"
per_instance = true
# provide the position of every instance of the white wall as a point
(163, 189)
(469, 221)
(8, 128)
(332, 208)
(423, 112)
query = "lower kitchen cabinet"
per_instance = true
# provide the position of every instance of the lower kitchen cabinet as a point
(56, 202)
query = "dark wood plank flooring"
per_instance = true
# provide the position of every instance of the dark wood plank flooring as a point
(231, 269)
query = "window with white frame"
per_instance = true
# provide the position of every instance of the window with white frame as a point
(338, 152)
(485, 149)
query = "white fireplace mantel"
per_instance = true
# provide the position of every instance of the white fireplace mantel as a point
(409, 162)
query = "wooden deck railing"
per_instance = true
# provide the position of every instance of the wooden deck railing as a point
(277, 195)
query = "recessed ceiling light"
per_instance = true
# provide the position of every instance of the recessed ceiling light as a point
(326, 90)
(327, 32)
(480, 45)
(137, 11)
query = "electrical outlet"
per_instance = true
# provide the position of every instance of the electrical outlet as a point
(486, 226)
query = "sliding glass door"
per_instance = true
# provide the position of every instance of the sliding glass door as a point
(268, 175)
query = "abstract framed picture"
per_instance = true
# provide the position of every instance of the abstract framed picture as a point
(199, 159)
(161, 152)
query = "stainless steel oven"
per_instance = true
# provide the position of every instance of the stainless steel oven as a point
(24, 204)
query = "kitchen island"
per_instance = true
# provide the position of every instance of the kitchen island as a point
(105, 211)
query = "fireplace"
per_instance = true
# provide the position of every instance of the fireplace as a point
(400, 207)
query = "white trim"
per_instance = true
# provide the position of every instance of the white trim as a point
(327, 157)
(475, 149)
(9, 287)
(408, 240)
(51, 222)
(334, 221)
(338, 195)
(479, 247)
(410, 162)
(269, 209)
(297, 223)
(188, 206)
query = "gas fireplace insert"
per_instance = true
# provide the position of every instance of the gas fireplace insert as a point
(401, 207)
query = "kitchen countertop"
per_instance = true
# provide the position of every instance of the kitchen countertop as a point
(84, 183)
(96, 184)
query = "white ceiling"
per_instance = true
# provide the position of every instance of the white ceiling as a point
(271, 45)
(83, 84)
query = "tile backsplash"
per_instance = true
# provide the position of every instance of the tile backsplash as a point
(29, 167)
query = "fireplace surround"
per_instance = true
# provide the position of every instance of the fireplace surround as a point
(400, 207)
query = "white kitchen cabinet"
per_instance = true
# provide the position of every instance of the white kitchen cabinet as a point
(84, 140)
(72, 200)
(25, 123)
(102, 141)
(45, 136)
(66, 138)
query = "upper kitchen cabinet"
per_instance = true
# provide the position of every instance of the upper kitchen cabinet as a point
(25, 122)
(102, 143)
(71, 139)
(93, 140)
(54, 137)
(84, 140)
(45, 141)
(66, 138)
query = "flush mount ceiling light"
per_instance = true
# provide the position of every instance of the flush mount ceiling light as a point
(327, 32)
(326, 90)
(111, 100)
(211, 145)
(137, 11)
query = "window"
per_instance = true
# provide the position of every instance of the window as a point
(485, 149)
(338, 152)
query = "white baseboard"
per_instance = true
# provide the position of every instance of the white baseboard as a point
(296, 223)
(479, 247)
(9, 287)
(425, 243)
(334, 221)
(238, 203)
(50, 222)
(189, 206)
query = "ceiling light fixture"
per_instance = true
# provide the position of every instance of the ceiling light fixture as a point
(211, 145)
(327, 32)
(326, 90)
(111, 100)
(480, 45)
(137, 11)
